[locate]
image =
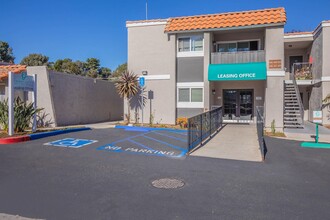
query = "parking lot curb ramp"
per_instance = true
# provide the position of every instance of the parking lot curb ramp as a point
(12, 140)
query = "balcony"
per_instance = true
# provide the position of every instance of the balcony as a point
(238, 57)
(302, 71)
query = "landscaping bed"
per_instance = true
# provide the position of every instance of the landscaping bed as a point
(276, 134)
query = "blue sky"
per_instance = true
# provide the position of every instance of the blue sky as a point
(79, 29)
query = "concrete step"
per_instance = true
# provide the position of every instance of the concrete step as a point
(290, 112)
(295, 121)
(291, 103)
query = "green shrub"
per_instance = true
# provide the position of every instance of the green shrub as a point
(4, 115)
(273, 127)
(23, 113)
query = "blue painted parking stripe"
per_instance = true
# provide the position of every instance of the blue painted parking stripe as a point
(142, 145)
(179, 139)
(129, 138)
(181, 133)
(171, 145)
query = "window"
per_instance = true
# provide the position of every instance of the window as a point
(238, 46)
(184, 44)
(196, 95)
(197, 43)
(243, 46)
(190, 97)
(184, 95)
(188, 44)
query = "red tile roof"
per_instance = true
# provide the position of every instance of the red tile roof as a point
(227, 20)
(4, 69)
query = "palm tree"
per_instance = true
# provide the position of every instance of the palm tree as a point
(127, 87)
(326, 100)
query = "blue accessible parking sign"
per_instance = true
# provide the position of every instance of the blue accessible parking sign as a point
(71, 142)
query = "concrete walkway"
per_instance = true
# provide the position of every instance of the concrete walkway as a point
(235, 142)
(306, 133)
(103, 125)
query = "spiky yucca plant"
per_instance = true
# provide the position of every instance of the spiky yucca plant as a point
(127, 87)
(23, 113)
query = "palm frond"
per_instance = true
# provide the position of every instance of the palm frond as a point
(326, 100)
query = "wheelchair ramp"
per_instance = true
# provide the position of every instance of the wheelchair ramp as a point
(234, 142)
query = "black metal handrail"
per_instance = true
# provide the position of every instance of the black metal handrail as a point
(300, 103)
(203, 126)
(260, 130)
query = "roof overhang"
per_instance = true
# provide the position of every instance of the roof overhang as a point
(130, 24)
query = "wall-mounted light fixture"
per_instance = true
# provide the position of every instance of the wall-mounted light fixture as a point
(213, 91)
(145, 72)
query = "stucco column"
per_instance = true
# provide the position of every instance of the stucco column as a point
(207, 58)
(326, 70)
(274, 48)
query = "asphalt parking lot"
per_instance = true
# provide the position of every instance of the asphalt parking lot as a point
(51, 182)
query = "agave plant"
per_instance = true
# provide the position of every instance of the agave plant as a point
(23, 113)
(127, 87)
(4, 115)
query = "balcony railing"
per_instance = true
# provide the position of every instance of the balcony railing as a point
(302, 71)
(238, 57)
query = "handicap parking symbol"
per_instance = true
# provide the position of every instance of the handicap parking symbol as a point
(71, 142)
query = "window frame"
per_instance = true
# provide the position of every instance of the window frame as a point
(236, 42)
(190, 104)
(190, 53)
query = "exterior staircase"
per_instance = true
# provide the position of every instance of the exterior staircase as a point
(293, 114)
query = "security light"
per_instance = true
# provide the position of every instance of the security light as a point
(144, 72)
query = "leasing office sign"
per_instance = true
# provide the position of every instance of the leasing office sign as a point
(237, 71)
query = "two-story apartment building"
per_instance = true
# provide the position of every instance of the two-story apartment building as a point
(240, 61)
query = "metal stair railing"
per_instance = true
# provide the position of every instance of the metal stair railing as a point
(296, 88)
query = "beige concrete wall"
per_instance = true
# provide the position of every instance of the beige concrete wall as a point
(326, 72)
(326, 109)
(72, 100)
(274, 46)
(152, 50)
(315, 101)
(83, 100)
(44, 93)
(274, 103)
(207, 58)
(326, 52)
(258, 88)
(306, 91)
